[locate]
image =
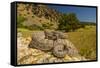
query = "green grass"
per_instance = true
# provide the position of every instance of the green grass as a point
(25, 32)
(85, 41)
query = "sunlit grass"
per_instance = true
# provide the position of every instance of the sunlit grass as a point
(26, 32)
(85, 41)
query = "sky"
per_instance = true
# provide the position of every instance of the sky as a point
(84, 14)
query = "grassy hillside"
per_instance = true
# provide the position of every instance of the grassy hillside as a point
(85, 41)
(38, 15)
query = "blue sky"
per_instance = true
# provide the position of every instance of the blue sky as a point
(87, 14)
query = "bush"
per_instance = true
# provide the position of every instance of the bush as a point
(62, 23)
(20, 20)
(34, 27)
(47, 25)
(68, 22)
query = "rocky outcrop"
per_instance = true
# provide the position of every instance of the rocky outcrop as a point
(35, 55)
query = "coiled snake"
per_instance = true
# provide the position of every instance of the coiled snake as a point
(53, 41)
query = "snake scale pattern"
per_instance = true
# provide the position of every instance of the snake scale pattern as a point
(53, 41)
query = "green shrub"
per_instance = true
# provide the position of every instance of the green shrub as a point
(34, 27)
(47, 25)
(68, 22)
(20, 20)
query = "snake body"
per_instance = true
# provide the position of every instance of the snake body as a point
(53, 41)
(38, 41)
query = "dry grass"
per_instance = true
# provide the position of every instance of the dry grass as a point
(26, 32)
(85, 41)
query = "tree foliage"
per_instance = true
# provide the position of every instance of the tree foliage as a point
(20, 20)
(68, 22)
(47, 25)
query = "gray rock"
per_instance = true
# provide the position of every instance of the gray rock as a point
(19, 34)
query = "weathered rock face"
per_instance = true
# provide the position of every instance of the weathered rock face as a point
(54, 42)
(35, 55)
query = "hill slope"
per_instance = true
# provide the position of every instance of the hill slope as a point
(40, 15)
